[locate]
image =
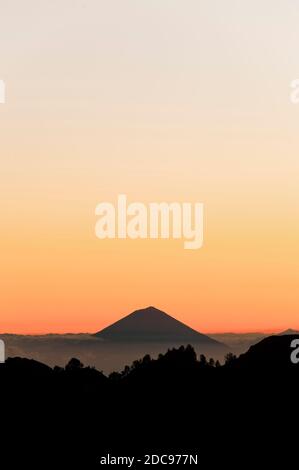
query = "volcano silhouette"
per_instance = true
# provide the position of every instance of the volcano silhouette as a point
(289, 332)
(152, 325)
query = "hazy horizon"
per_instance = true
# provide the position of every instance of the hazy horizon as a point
(203, 330)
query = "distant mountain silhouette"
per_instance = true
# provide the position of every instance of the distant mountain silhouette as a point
(152, 325)
(289, 332)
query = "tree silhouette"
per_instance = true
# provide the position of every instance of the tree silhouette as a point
(230, 359)
(202, 360)
(74, 364)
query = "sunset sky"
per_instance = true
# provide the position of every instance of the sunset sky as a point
(163, 101)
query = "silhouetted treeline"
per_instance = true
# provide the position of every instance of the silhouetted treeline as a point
(175, 403)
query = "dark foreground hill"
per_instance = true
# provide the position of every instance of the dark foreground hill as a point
(272, 352)
(177, 403)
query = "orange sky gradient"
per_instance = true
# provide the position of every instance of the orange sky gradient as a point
(163, 103)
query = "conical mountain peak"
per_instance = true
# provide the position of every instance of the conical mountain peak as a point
(153, 325)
